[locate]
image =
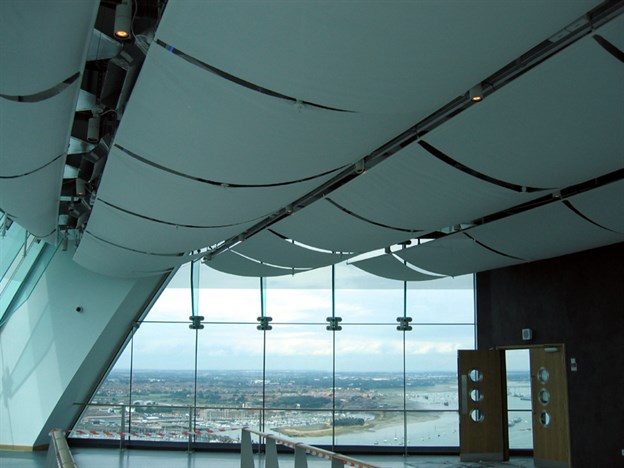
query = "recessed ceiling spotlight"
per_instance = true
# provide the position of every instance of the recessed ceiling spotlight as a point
(123, 23)
(476, 93)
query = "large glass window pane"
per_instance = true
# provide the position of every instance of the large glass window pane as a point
(433, 429)
(448, 300)
(302, 298)
(228, 298)
(298, 367)
(369, 378)
(163, 378)
(312, 427)
(109, 405)
(431, 365)
(229, 362)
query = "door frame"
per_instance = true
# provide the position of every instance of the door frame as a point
(534, 402)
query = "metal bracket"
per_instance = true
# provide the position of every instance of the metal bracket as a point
(264, 323)
(333, 323)
(404, 323)
(196, 322)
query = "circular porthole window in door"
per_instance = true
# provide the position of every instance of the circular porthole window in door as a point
(475, 375)
(477, 415)
(543, 396)
(543, 375)
(545, 419)
(476, 395)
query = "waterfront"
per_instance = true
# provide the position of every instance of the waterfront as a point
(363, 408)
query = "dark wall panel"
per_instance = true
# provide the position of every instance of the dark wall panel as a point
(577, 300)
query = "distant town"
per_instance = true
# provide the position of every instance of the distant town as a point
(296, 404)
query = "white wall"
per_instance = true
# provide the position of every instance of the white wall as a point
(52, 356)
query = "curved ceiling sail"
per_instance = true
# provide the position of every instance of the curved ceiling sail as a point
(331, 53)
(558, 125)
(225, 132)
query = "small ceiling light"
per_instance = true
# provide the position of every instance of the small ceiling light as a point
(123, 14)
(476, 93)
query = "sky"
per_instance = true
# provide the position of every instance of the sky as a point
(299, 307)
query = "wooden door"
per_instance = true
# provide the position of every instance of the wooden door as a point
(549, 390)
(482, 405)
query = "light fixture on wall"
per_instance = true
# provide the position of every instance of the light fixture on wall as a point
(476, 93)
(123, 22)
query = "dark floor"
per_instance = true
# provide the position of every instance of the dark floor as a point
(105, 458)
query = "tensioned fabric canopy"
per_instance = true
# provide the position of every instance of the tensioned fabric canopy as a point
(270, 248)
(370, 57)
(455, 255)
(544, 232)
(236, 264)
(109, 259)
(388, 266)
(603, 205)
(415, 190)
(558, 125)
(325, 226)
(211, 127)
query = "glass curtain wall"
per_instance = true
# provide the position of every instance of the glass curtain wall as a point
(330, 357)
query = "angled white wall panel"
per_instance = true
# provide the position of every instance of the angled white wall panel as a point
(185, 117)
(270, 248)
(559, 124)
(455, 255)
(146, 235)
(388, 266)
(369, 56)
(43, 43)
(548, 231)
(415, 190)
(325, 226)
(137, 187)
(603, 205)
(53, 356)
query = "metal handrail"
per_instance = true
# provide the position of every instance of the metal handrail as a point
(301, 451)
(59, 454)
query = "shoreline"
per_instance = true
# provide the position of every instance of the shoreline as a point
(380, 420)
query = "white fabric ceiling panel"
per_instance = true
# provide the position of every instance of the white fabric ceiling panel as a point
(32, 200)
(325, 226)
(558, 125)
(415, 190)
(135, 186)
(34, 133)
(145, 235)
(270, 248)
(388, 266)
(455, 255)
(614, 32)
(369, 56)
(107, 259)
(235, 264)
(43, 43)
(227, 133)
(548, 231)
(603, 205)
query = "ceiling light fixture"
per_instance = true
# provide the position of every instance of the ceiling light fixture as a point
(476, 93)
(123, 14)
